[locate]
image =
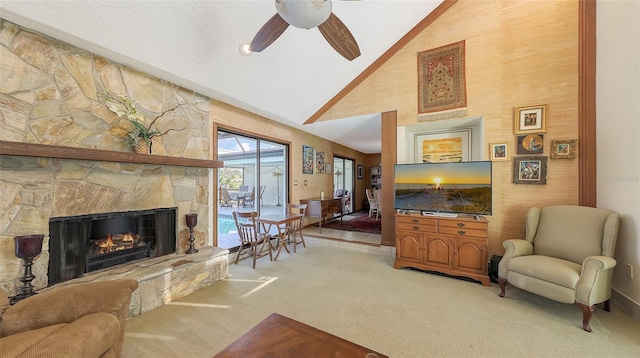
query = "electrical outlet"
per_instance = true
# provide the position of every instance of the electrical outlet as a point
(629, 271)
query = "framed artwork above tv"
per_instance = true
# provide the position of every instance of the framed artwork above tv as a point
(443, 146)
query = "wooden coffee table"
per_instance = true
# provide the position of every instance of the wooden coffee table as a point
(279, 336)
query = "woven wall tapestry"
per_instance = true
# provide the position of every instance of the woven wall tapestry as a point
(442, 92)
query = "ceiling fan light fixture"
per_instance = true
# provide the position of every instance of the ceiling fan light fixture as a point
(304, 14)
(245, 48)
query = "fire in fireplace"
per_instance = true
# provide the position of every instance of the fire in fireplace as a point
(81, 244)
(113, 243)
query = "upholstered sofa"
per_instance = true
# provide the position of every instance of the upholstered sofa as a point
(83, 320)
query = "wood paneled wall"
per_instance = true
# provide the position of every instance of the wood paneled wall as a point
(518, 53)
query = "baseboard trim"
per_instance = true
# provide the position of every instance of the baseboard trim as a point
(626, 304)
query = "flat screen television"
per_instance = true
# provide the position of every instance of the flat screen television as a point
(444, 188)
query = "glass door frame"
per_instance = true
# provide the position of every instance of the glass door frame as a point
(340, 170)
(264, 163)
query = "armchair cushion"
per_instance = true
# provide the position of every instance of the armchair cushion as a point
(550, 269)
(570, 232)
(98, 333)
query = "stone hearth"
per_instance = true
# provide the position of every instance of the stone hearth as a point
(166, 278)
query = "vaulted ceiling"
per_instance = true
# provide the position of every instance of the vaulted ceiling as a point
(196, 44)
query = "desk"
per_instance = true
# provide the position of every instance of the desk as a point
(282, 337)
(278, 220)
(321, 208)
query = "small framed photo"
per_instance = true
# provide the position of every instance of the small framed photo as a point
(499, 151)
(530, 144)
(530, 170)
(327, 168)
(563, 149)
(530, 119)
(360, 170)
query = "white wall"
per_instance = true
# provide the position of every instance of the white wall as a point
(618, 132)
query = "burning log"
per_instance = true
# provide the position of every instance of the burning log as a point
(115, 242)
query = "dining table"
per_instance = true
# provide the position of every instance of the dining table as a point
(282, 222)
(236, 194)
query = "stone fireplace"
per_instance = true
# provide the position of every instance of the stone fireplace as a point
(77, 165)
(85, 243)
(50, 99)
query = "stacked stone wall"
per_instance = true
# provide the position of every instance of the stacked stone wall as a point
(49, 95)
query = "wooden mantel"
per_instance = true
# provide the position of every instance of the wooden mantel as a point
(55, 151)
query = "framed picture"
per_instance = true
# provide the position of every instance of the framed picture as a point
(499, 151)
(530, 144)
(360, 170)
(530, 119)
(563, 149)
(328, 168)
(530, 170)
(443, 146)
(307, 159)
(319, 162)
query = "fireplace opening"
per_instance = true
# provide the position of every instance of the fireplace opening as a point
(85, 243)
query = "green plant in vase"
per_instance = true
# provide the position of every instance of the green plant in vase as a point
(140, 136)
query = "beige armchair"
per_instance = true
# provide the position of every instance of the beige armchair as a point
(84, 320)
(566, 256)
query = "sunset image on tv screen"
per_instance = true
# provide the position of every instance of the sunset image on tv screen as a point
(460, 187)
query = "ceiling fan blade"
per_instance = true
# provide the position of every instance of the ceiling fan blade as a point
(339, 37)
(268, 33)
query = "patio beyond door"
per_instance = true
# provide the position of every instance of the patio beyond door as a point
(343, 183)
(253, 178)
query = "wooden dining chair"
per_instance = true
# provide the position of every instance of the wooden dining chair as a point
(374, 203)
(225, 199)
(262, 188)
(250, 238)
(295, 228)
(249, 199)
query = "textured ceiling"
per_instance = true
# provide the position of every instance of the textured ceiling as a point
(196, 44)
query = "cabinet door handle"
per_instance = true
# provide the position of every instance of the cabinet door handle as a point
(461, 232)
(460, 224)
(416, 227)
(414, 220)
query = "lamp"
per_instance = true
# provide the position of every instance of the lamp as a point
(304, 14)
(277, 175)
(28, 247)
(192, 221)
(338, 174)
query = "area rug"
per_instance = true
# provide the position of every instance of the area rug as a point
(360, 223)
(442, 92)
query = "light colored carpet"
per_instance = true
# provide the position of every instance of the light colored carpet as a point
(342, 235)
(360, 297)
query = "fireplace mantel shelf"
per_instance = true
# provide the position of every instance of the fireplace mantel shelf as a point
(55, 151)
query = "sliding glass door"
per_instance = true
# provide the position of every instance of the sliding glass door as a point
(343, 183)
(253, 178)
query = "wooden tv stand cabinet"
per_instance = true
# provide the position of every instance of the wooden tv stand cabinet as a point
(454, 246)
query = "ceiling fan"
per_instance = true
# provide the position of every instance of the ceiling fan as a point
(307, 14)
